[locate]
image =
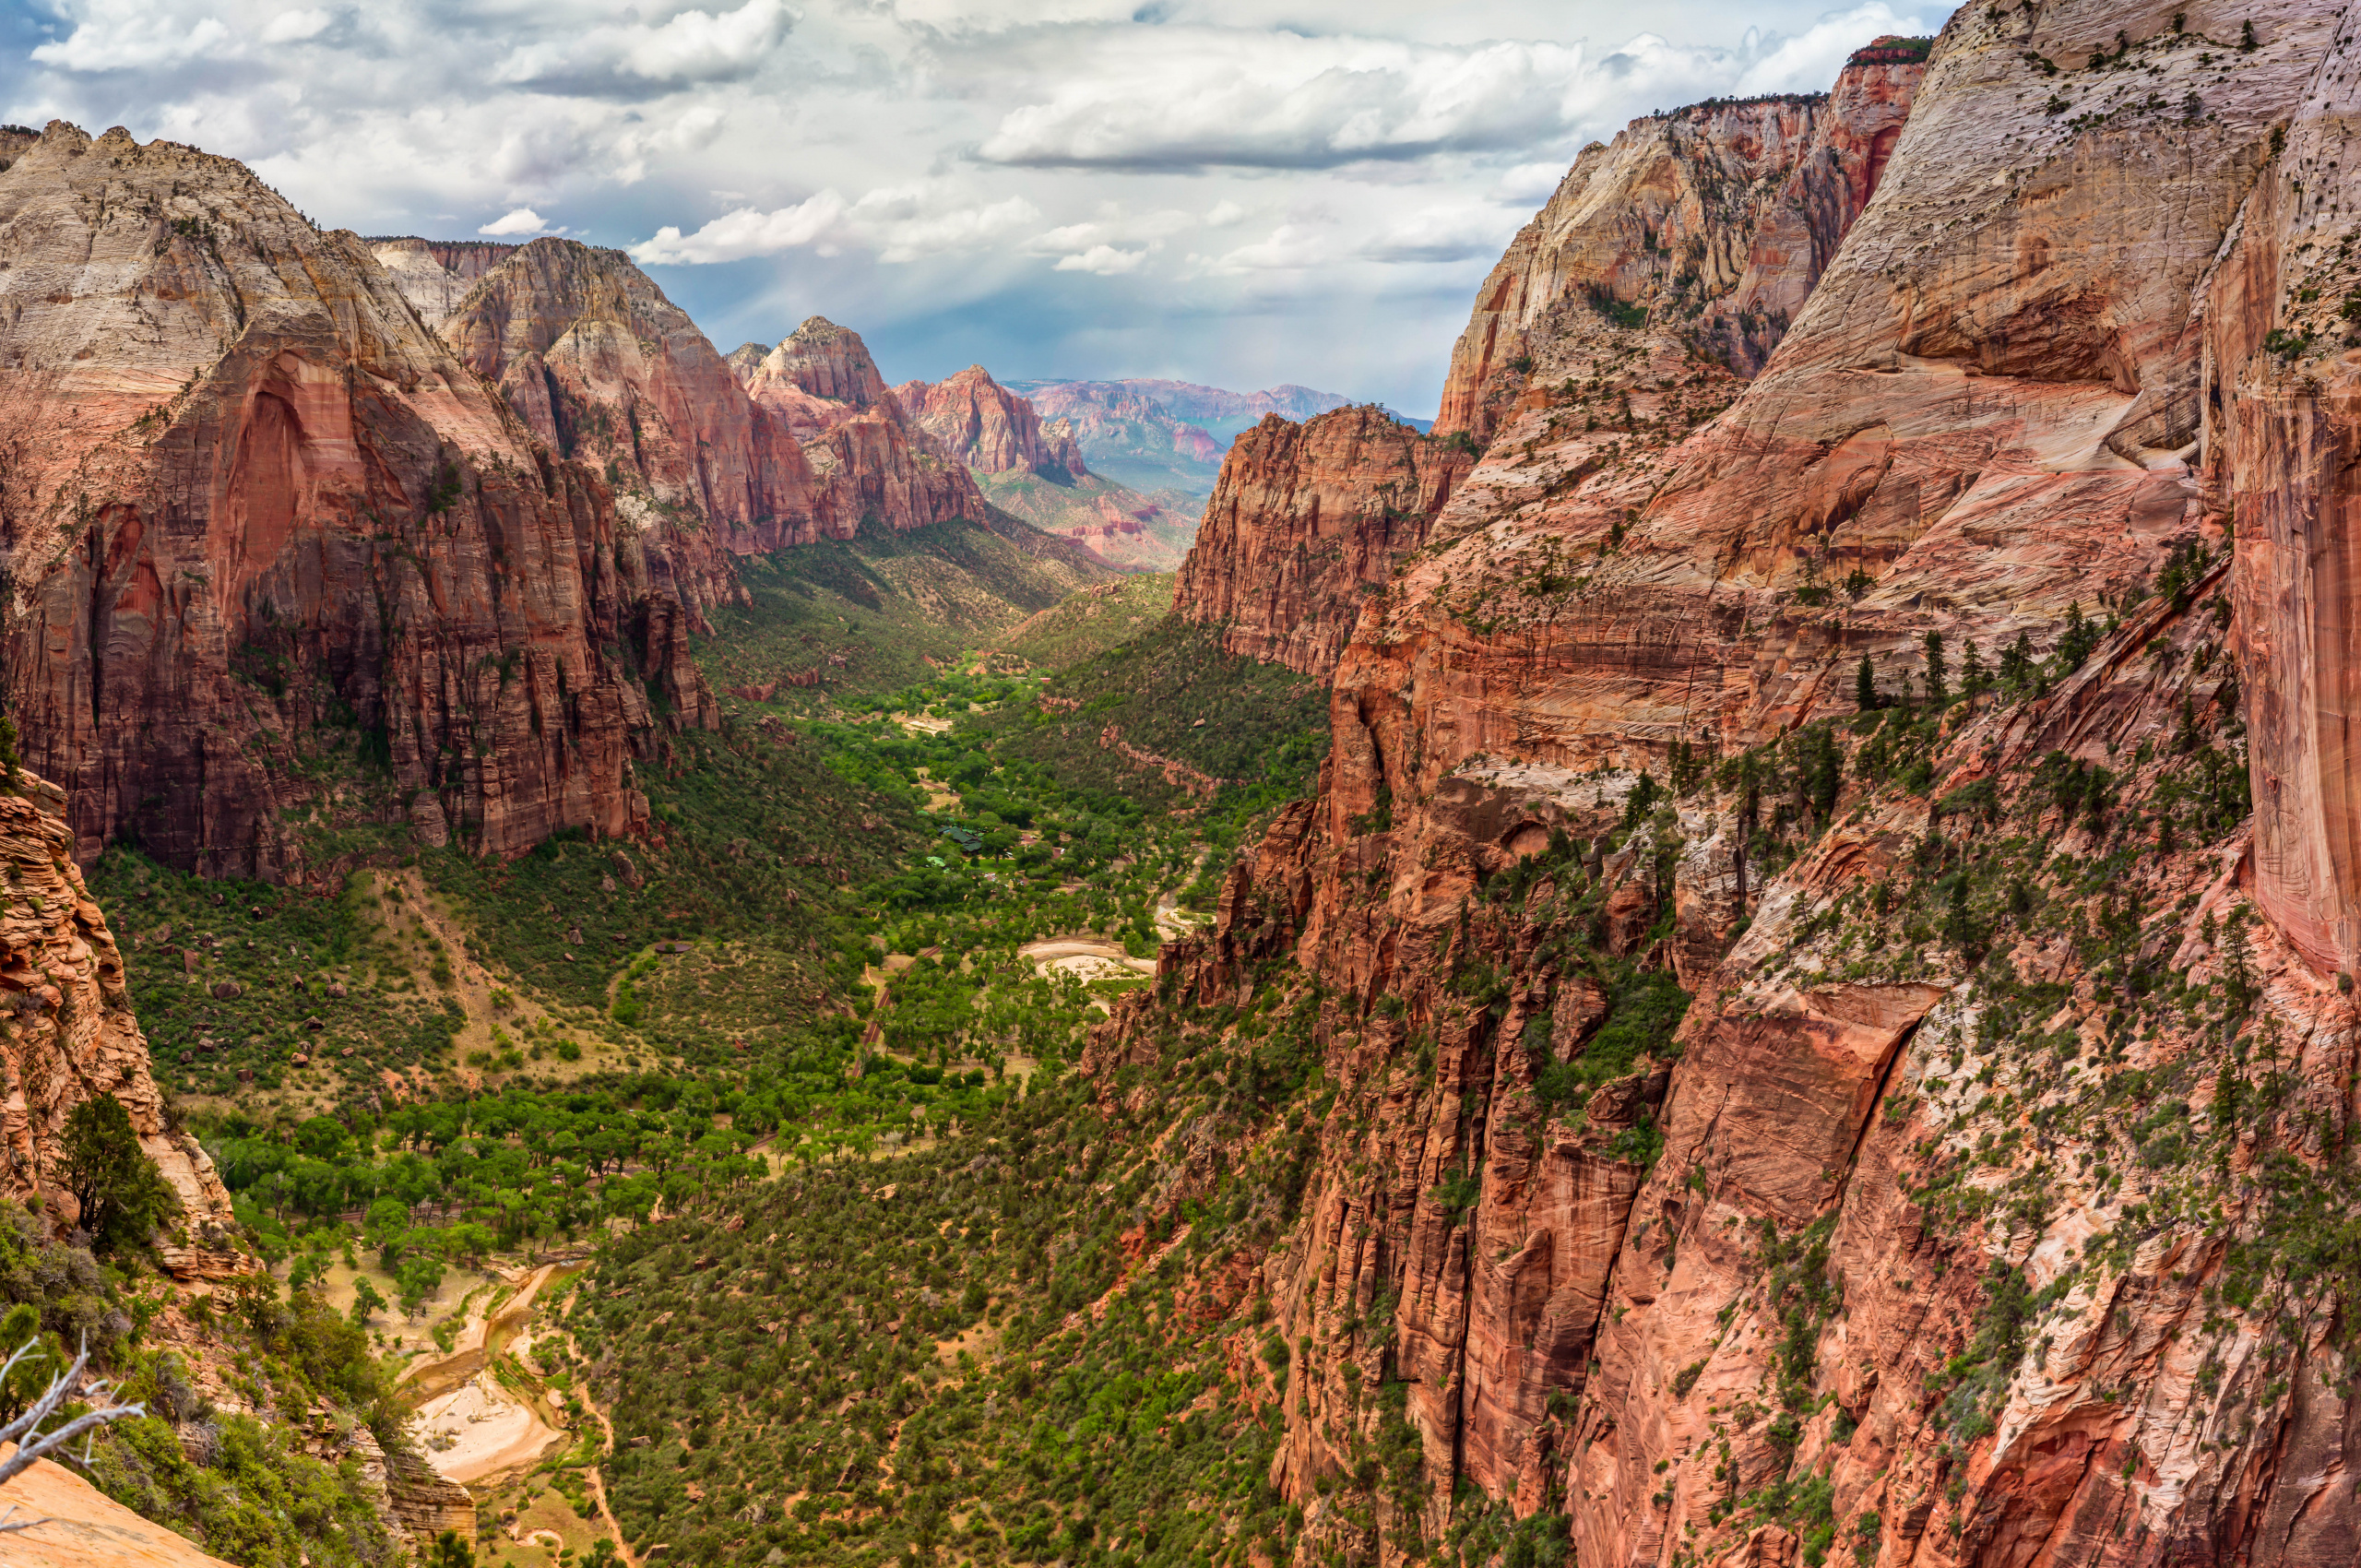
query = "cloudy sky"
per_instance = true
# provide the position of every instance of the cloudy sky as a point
(1238, 192)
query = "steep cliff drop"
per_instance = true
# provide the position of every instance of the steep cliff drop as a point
(71, 1037)
(279, 558)
(1986, 1204)
(1725, 214)
(1304, 520)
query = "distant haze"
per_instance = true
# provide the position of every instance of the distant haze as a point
(1239, 192)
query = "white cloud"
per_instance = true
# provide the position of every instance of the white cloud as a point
(129, 35)
(523, 220)
(905, 222)
(1290, 247)
(1223, 213)
(1528, 184)
(1809, 61)
(1191, 98)
(1104, 260)
(735, 235)
(693, 46)
(1442, 233)
(294, 27)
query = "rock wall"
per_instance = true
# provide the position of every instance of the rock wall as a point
(1306, 520)
(2280, 431)
(435, 275)
(1915, 1274)
(256, 519)
(989, 428)
(1721, 216)
(606, 371)
(69, 1036)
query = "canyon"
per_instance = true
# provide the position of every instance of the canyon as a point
(1809, 1016)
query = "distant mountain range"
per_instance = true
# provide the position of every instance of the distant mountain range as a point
(1153, 434)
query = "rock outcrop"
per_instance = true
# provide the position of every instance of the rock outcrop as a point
(86, 1528)
(258, 518)
(1306, 520)
(1981, 1209)
(69, 1036)
(990, 429)
(605, 370)
(435, 275)
(1721, 216)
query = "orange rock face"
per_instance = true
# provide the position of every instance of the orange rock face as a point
(1731, 210)
(989, 428)
(2092, 312)
(1305, 519)
(72, 1038)
(255, 509)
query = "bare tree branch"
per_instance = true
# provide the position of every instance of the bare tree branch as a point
(33, 1443)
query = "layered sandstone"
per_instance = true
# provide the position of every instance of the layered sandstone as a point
(604, 369)
(435, 275)
(989, 428)
(70, 1037)
(2092, 313)
(257, 511)
(1305, 520)
(1720, 217)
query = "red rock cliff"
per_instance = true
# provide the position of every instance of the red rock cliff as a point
(258, 518)
(989, 428)
(1915, 1240)
(1305, 519)
(606, 370)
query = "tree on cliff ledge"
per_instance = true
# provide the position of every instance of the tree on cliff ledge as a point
(125, 1198)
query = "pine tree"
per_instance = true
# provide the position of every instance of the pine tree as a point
(1864, 686)
(1937, 696)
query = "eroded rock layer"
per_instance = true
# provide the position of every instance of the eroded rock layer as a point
(989, 428)
(1305, 519)
(1720, 217)
(258, 519)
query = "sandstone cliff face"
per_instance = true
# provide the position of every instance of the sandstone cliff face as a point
(989, 428)
(818, 378)
(823, 388)
(435, 275)
(604, 369)
(2278, 429)
(69, 1036)
(1306, 520)
(257, 520)
(1723, 216)
(1915, 1238)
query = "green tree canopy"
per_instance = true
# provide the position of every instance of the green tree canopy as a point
(123, 1196)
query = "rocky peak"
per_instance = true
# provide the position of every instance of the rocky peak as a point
(990, 429)
(745, 358)
(825, 361)
(604, 368)
(266, 444)
(1723, 215)
(1304, 518)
